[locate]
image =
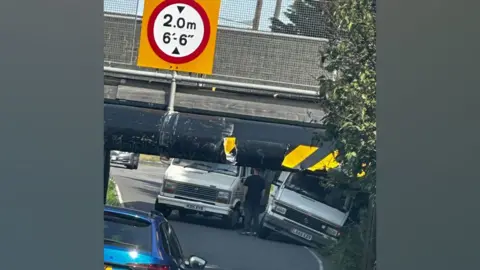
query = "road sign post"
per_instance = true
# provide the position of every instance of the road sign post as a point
(173, 90)
(179, 35)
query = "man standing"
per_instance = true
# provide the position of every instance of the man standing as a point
(256, 185)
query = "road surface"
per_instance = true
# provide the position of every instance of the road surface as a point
(225, 249)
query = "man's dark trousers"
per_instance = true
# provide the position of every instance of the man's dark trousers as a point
(252, 213)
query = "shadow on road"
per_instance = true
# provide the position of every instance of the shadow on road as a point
(149, 191)
(143, 181)
(211, 222)
(191, 219)
(143, 206)
(282, 239)
(149, 188)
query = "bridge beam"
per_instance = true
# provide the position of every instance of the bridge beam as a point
(190, 99)
(201, 137)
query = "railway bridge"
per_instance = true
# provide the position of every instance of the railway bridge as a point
(262, 96)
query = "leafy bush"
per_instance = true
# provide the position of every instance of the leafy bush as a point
(112, 197)
(348, 96)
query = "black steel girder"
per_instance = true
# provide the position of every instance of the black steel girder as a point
(200, 137)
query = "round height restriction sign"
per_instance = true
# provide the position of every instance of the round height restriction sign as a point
(178, 30)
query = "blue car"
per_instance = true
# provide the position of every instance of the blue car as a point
(137, 240)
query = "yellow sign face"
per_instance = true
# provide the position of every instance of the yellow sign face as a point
(179, 35)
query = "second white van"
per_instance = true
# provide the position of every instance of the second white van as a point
(199, 187)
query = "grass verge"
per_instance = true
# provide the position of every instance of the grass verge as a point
(149, 158)
(112, 196)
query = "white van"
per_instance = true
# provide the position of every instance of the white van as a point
(199, 187)
(275, 184)
(304, 210)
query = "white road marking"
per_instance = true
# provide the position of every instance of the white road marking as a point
(319, 261)
(119, 194)
(211, 266)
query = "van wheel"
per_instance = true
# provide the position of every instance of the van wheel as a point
(132, 165)
(241, 222)
(160, 208)
(182, 214)
(263, 232)
(135, 164)
(231, 221)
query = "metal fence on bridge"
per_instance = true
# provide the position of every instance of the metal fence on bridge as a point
(257, 42)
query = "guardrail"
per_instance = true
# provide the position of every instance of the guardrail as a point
(166, 76)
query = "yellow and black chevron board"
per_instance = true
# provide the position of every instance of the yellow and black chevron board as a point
(313, 158)
(306, 157)
(302, 157)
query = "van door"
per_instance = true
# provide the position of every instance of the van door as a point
(270, 177)
(239, 188)
(278, 181)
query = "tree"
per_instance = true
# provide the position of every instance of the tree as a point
(307, 18)
(349, 100)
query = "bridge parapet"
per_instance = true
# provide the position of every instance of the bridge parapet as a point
(243, 56)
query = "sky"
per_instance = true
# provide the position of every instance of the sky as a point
(233, 13)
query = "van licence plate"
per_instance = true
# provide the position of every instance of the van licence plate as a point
(107, 267)
(195, 207)
(303, 235)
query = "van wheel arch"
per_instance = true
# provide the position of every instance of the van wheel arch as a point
(263, 232)
(232, 221)
(237, 205)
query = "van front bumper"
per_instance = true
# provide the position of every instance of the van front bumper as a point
(121, 160)
(192, 206)
(284, 226)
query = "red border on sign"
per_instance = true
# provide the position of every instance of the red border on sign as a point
(203, 43)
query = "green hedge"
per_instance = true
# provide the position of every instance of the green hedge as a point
(112, 197)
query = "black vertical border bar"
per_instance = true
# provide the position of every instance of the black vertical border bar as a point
(51, 134)
(428, 132)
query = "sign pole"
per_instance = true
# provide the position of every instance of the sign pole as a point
(173, 90)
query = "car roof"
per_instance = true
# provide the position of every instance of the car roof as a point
(134, 213)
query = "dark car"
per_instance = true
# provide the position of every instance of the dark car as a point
(129, 160)
(137, 240)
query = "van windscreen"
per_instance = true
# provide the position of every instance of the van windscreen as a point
(311, 186)
(207, 166)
